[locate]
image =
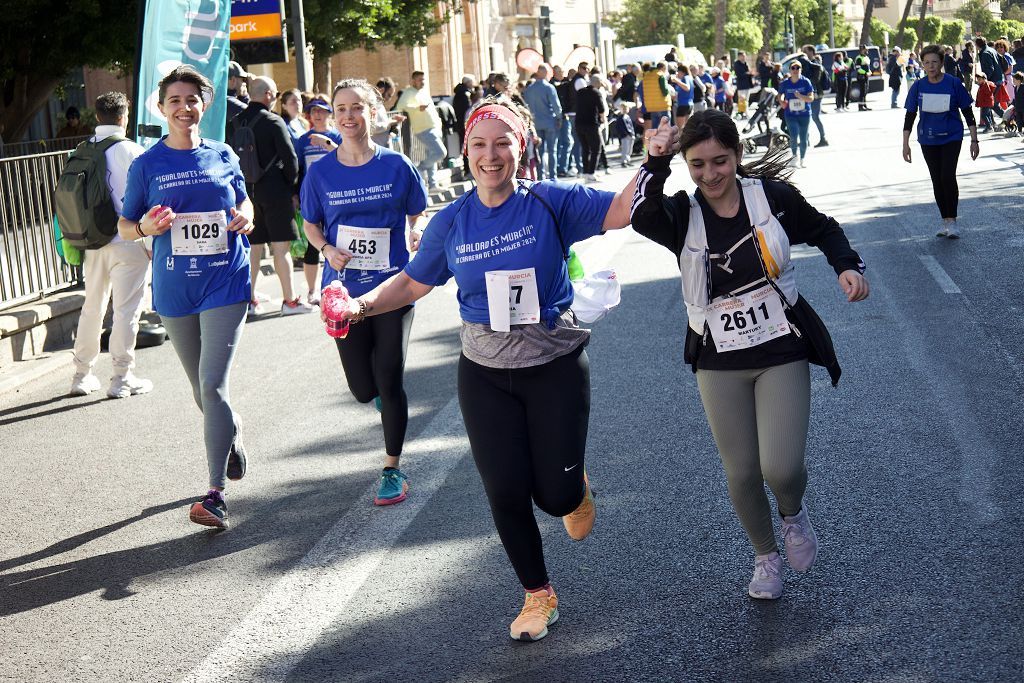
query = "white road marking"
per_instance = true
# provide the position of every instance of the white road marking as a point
(274, 637)
(940, 275)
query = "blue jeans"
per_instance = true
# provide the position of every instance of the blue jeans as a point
(657, 116)
(816, 116)
(564, 146)
(895, 94)
(549, 149)
(433, 151)
(577, 149)
(798, 126)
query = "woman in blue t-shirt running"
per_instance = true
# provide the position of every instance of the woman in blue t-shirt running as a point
(938, 96)
(523, 377)
(356, 203)
(188, 192)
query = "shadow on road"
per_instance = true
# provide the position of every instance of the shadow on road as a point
(69, 403)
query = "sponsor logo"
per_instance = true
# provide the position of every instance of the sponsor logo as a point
(193, 263)
(170, 263)
(219, 263)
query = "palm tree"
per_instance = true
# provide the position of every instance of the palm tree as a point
(766, 27)
(720, 9)
(920, 27)
(903, 22)
(865, 31)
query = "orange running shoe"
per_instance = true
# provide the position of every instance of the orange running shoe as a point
(539, 611)
(580, 521)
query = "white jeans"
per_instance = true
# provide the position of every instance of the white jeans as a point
(120, 269)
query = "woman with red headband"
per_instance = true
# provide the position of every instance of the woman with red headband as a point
(523, 378)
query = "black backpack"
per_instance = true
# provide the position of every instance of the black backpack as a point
(243, 141)
(85, 210)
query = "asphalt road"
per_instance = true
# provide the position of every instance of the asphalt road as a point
(915, 488)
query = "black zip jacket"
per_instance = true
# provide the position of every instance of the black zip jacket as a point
(665, 220)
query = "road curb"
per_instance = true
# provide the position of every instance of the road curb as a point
(25, 371)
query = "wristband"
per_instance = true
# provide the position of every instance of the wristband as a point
(138, 229)
(326, 244)
(362, 311)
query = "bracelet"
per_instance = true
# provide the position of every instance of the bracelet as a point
(361, 315)
(326, 244)
(138, 229)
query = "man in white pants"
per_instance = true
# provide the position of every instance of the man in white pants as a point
(117, 269)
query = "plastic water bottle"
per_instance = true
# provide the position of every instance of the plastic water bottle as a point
(334, 302)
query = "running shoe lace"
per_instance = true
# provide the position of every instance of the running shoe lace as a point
(794, 533)
(536, 606)
(763, 569)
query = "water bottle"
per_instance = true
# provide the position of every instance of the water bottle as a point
(334, 302)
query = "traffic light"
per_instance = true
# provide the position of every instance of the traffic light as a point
(544, 31)
(788, 39)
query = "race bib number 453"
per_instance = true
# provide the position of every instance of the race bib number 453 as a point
(747, 320)
(370, 247)
(199, 234)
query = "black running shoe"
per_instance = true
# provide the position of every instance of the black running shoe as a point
(236, 457)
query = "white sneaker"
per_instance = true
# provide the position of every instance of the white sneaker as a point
(129, 385)
(313, 298)
(794, 163)
(766, 584)
(803, 164)
(83, 384)
(943, 231)
(295, 307)
(951, 231)
(255, 308)
(801, 541)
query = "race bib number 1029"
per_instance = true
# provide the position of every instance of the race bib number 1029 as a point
(199, 234)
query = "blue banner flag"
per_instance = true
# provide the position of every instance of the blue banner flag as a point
(176, 32)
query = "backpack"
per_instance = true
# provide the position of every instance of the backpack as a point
(85, 209)
(243, 141)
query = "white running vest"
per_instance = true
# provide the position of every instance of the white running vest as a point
(695, 264)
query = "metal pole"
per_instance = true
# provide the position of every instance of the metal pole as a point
(831, 28)
(302, 65)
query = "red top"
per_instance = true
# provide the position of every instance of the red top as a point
(986, 95)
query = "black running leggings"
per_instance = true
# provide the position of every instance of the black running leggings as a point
(373, 357)
(942, 160)
(527, 428)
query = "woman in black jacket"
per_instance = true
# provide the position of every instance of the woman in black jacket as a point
(750, 335)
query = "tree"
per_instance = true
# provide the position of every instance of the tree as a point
(45, 39)
(743, 34)
(721, 7)
(333, 26)
(876, 34)
(1009, 28)
(953, 32)
(977, 14)
(865, 31)
(902, 25)
(766, 25)
(920, 27)
(649, 22)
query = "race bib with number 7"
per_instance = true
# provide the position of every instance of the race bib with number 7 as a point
(370, 247)
(201, 233)
(512, 298)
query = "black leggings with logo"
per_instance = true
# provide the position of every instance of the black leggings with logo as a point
(373, 357)
(527, 428)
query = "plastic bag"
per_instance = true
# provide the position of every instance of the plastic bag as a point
(596, 295)
(298, 247)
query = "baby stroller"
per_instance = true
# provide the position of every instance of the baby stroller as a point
(763, 129)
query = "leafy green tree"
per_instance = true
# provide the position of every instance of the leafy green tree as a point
(333, 26)
(649, 22)
(878, 30)
(743, 34)
(43, 40)
(1006, 27)
(932, 29)
(908, 38)
(953, 32)
(976, 12)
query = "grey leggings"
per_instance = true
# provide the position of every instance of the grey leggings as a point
(759, 421)
(205, 343)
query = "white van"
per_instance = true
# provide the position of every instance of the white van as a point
(655, 54)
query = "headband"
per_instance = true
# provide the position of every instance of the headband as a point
(503, 114)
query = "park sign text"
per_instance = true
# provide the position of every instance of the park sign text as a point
(256, 20)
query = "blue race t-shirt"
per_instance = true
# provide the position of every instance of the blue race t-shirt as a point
(938, 105)
(684, 98)
(719, 89)
(363, 209)
(204, 179)
(307, 152)
(790, 89)
(467, 239)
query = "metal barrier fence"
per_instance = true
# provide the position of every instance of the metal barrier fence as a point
(29, 265)
(20, 149)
